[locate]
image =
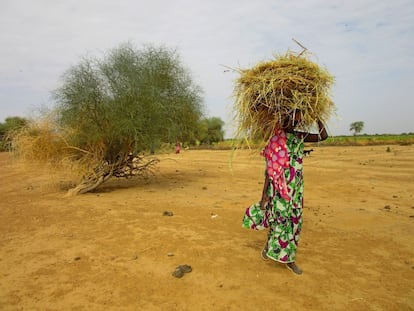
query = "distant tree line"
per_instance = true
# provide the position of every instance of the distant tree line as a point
(10, 125)
(208, 131)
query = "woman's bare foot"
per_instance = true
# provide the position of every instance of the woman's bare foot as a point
(294, 268)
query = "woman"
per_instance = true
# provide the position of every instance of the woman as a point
(280, 208)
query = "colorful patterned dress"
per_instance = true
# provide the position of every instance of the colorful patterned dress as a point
(283, 214)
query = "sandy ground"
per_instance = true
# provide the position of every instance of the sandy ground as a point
(114, 249)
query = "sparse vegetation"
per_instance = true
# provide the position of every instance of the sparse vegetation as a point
(366, 140)
(110, 111)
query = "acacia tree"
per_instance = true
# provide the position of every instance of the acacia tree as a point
(129, 102)
(356, 127)
(211, 130)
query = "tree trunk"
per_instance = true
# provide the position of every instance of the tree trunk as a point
(128, 167)
(88, 184)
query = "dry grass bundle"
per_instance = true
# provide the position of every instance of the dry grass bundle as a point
(272, 92)
(39, 142)
(42, 143)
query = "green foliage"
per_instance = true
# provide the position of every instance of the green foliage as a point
(211, 130)
(365, 140)
(10, 124)
(130, 101)
(356, 127)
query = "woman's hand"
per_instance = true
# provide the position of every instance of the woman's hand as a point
(314, 138)
(265, 200)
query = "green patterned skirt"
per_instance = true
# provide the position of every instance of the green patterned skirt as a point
(282, 218)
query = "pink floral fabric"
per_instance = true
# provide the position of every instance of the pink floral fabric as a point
(277, 160)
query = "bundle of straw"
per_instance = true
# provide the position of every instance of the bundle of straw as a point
(271, 93)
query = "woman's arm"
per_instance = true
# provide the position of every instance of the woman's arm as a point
(314, 138)
(265, 197)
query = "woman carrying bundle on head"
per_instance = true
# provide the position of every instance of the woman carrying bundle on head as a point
(295, 97)
(280, 209)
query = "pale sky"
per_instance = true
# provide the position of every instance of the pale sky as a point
(368, 45)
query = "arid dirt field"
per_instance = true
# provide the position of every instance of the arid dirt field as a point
(114, 249)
